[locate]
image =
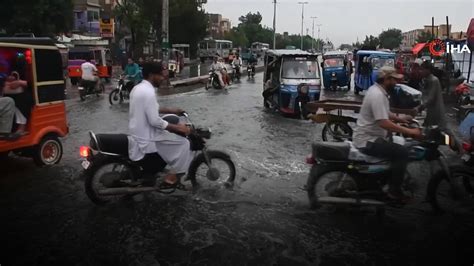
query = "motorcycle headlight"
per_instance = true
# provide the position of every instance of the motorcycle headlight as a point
(333, 74)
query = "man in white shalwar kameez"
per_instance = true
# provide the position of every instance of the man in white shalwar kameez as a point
(149, 133)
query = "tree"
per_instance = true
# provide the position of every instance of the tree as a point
(42, 18)
(370, 42)
(424, 36)
(391, 38)
(237, 37)
(346, 46)
(357, 45)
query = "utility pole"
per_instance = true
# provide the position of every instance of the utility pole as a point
(312, 35)
(302, 20)
(274, 23)
(165, 32)
(319, 41)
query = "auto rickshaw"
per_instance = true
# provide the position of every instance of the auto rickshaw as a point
(367, 64)
(291, 79)
(99, 56)
(337, 70)
(38, 62)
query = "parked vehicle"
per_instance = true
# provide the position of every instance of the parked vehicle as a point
(122, 92)
(99, 56)
(337, 70)
(184, 49)
(259, 48)
(209, 48)
(110, 173)
(367, 64)
(39, 63)
(295, 75)
(343, 175)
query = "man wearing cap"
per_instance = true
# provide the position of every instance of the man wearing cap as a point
(149, 133)
(374, 124)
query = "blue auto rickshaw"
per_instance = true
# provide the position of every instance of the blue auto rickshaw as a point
(367, 64)
(337, 70)
(291, 79)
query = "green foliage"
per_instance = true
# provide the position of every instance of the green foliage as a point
(41, 17)
(346, 46)
(424, 36)
(238, 37)
(370, 42)
(390, 39)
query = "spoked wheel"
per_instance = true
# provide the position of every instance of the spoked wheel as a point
(455, 196)
(221, 173)
(336, 132)
(115, 97)
(332, 184)
(105, 175)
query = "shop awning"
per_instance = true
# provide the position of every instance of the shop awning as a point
(470, 34)
(418, 47)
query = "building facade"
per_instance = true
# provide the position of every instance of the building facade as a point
(86, 17)
(218, 25)
(409, 38)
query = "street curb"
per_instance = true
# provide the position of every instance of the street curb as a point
(201, 79)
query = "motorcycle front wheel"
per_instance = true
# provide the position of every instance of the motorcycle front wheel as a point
(115, 97)
(455, 196)
(221, 173)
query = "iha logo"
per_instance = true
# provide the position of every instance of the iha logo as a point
(438, 48)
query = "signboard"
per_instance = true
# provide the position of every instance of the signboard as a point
(107, 27)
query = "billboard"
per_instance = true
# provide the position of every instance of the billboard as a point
(107, 27)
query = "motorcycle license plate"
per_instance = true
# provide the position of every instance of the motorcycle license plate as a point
(466, 157)
(85, 164)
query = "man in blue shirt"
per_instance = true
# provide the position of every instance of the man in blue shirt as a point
(133, 72)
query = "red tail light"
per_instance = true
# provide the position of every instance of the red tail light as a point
(84, 151)
(310, 159)
(467, 146)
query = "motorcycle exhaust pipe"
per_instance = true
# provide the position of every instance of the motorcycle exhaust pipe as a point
(350, 201)
(125, 190)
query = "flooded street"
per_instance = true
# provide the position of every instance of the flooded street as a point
(264, 220)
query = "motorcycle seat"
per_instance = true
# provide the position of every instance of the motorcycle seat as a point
(113, 143)
(332, 150)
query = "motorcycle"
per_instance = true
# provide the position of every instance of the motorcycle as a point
(440, 190)
(122, 92)
(90, 87)
(235, 72)
(250, 70)
(463, 97)
(343, 175)
(213, 81)
(109, 173)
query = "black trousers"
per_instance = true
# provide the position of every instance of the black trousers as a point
(396, 153)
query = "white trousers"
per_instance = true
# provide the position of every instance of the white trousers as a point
(176, 153)
(19, 117)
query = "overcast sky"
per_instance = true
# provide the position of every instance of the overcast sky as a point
(344, 20)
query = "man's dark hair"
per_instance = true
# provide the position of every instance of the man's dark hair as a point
(427, 65)
(151, 68)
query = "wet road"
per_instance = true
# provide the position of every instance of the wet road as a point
(264, 220)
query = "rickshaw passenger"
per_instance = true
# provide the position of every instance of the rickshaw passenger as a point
(14, 88)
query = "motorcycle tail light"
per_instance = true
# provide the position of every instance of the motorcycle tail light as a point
(467, 146)
(310, 159)
(84, 151)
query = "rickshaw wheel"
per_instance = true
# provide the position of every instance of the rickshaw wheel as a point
(48, 152)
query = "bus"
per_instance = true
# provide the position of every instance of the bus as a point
(259, 48)
(208, 48)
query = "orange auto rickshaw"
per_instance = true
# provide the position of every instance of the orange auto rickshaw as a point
(38, 62)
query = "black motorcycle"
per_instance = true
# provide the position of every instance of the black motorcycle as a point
(235, 73)
(251, 70)
(440, 188)
(213, 81)
(122, 92)
(109, 173)
(87, 88)
(342, 175)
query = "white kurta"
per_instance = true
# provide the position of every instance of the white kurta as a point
(148, 132)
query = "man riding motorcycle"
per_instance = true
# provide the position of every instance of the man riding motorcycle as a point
(132, 71)
(149, 133)
(376, 122)
(217, 67)
(237, 62)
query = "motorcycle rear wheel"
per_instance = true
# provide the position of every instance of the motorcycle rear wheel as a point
(336, 131)
(328, 185)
